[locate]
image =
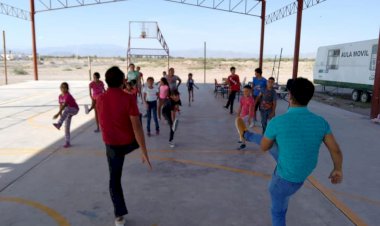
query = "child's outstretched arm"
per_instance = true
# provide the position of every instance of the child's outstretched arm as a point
(179, 82)
(61, 108)
(195, 85)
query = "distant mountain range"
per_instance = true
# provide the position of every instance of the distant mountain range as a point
(105, 50)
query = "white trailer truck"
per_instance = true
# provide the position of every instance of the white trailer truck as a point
(350, 65)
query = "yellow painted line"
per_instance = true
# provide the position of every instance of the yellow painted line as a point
(353, 217)
(357, 197)
(59, 219)
(215, 166)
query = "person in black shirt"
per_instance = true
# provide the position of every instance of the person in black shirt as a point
(171, 107)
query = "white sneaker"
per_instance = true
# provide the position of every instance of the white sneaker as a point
(86, 109)
(171, 144)
(119, 221)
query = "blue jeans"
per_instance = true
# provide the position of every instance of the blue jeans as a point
(264, 118)
(152, 107)
(280, 189)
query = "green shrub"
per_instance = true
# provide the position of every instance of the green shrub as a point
(20, 71)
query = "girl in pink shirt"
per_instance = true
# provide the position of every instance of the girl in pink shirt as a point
(96, 89)
(246, 111)
(67, 109)
(163, 95)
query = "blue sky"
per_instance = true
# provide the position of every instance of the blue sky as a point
(187, 27)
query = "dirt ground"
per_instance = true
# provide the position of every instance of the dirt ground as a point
(53, 68)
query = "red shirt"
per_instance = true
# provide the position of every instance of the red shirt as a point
(234, 82)
(68, 100)
(114, 108)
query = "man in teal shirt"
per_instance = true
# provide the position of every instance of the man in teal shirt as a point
(294, 139)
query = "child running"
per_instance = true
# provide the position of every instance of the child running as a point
(190, 88)
(268, 97)
(246, 111)
(96, 88)
(171, 107)
(67, 109)
(163, 95)
(150, 98)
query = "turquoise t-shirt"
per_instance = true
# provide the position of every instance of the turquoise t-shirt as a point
(132, 75)
(298, 134)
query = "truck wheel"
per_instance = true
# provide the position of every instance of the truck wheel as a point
(356, 95)
(364, 98)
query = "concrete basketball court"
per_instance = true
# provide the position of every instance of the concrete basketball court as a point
(203, 181)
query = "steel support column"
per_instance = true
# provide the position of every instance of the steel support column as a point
(375, 107)
(34, 46)
(298, 39)
(263, 6)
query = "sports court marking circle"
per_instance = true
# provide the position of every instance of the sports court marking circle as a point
(59, 219)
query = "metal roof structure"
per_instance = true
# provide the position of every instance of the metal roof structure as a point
(244, 7)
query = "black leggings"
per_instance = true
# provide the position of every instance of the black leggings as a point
(168, 116)
(230, 102)
(115, 157)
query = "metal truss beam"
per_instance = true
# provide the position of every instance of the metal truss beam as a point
(290, 10)
(48, 5)
(13, 11)
(244, 7)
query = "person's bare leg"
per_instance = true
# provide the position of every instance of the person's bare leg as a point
(92, 105)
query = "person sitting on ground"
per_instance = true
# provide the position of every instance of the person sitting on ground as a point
(294, 139)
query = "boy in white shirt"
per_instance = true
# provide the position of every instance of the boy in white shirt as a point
(150, 100)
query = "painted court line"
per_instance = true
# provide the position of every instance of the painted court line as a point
(59, 219)
(351, 215)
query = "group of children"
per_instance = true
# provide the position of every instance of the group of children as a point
(260, 95)
(162, 101)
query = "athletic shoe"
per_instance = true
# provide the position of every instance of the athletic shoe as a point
(240, 126)
(376, 120)
(239, 142)
(86, 109)
(171, 144)
(119, 221)
(175, 125)
(57, 125)
(97, 131)
(67, 145)
(242, 147)
(225, 107)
